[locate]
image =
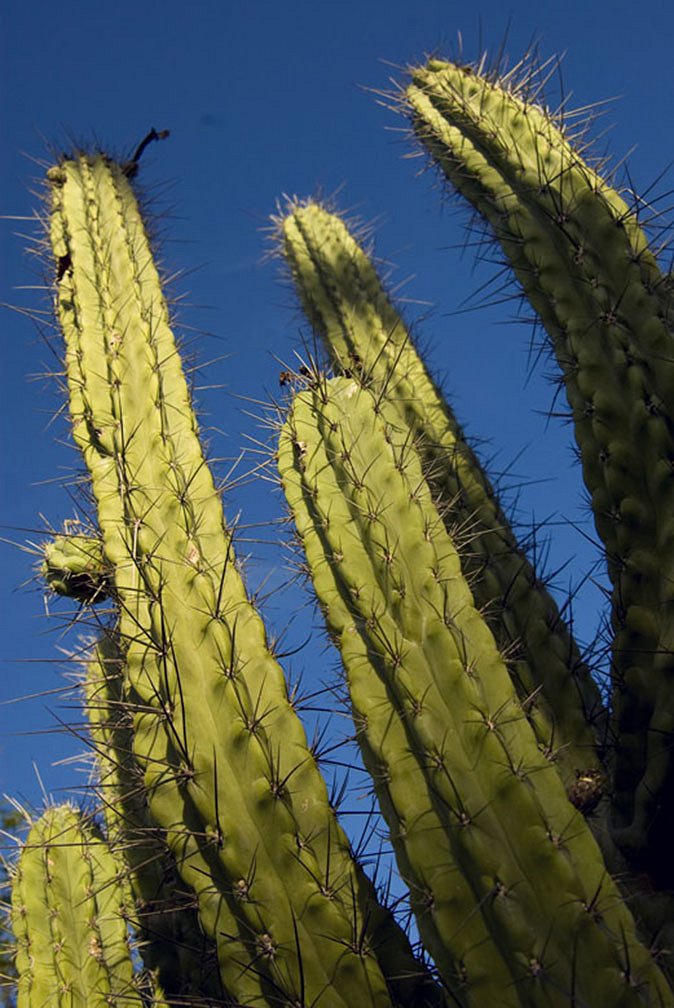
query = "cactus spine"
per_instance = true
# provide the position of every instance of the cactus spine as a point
(477, 761)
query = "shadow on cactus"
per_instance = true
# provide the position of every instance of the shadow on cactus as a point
(529, 822)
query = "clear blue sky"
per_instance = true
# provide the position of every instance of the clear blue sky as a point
(264, 98)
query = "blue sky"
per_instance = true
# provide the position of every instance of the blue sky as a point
(262, 99)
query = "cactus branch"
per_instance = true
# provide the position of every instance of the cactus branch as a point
(366, 338)
(445, 739)
(586, 266)
(230, 778)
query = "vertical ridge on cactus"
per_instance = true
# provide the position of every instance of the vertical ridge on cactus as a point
(586, 267)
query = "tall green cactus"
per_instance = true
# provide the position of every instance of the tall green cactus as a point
(366, 338)
(69, 915)
(510, 793)
(479, 817)
(230, 779)
(587, 269)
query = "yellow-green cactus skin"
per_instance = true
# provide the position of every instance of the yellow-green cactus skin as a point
(526, 812)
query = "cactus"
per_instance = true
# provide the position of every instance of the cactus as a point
(229, 777)
(468, 796)
(164, 913)
(69, 917)
(586, 266)
(522, 812)
(366, 338)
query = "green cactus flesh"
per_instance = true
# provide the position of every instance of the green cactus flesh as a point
(230, 779)
(69, 918)
(345, 301)
(586, 267)
(501, 869)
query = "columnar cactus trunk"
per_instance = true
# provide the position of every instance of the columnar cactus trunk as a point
(587, 268)
(230, 779)
(366, 338)
(69, 912)
(501, 869)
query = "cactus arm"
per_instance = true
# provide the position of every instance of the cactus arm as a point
(585, 265)
(440, 896)
(399, 588)
(229, 776)
(69, 917)
(346, 304)
(172, 944)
